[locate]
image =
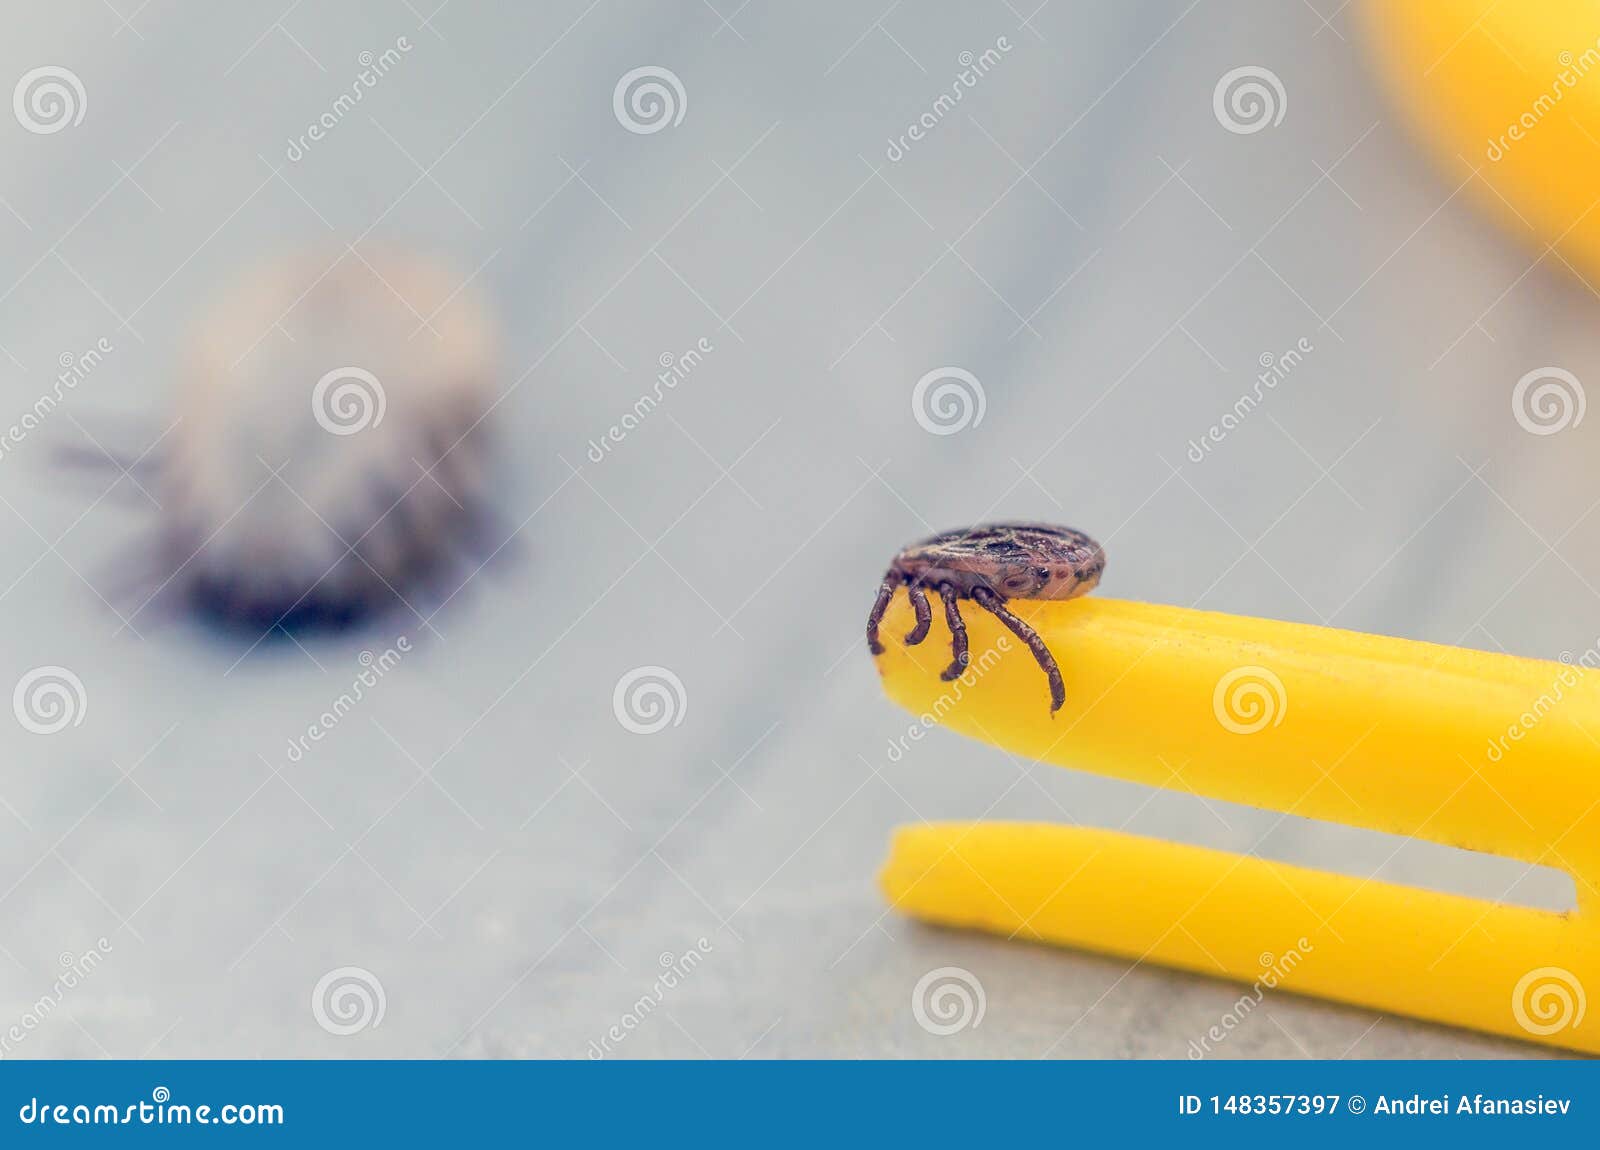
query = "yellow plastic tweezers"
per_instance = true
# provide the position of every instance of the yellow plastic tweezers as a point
(1483, 751)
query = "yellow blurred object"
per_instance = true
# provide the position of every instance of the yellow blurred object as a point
(1512, 90)
(1476, 750)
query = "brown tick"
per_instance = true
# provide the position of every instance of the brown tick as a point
(990, 564)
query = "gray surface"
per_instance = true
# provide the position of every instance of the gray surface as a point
(512, 907)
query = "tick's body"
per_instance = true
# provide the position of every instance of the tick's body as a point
(989, 564)
(320, 475)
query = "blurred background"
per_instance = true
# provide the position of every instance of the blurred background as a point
(501, 848)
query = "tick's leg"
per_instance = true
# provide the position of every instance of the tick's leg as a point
(881, 604)
(989, 601)
(919, 600)
(958, 633)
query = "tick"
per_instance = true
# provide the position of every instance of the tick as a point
(990, 564)
(332, 453)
